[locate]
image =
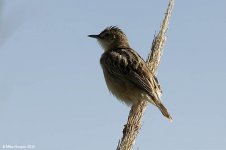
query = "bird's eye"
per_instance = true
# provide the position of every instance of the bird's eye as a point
(107, 35)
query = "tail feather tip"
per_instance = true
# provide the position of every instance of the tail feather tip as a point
(170, 119)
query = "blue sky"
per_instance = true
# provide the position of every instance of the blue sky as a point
(52, 90)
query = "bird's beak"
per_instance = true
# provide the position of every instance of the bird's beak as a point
(94, 36)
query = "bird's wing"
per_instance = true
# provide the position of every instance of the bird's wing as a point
(126, 64)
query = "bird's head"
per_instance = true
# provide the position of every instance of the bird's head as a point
(112, 38)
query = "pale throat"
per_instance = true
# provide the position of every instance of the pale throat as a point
(107, 46)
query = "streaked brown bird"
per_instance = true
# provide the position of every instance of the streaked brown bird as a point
(126, 73)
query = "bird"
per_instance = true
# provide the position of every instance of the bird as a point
(126, 74)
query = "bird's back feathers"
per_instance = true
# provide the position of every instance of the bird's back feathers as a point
(126, 65)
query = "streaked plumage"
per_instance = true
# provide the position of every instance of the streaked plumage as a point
(126, 73)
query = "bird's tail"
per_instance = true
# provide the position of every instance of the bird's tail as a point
(164, 111)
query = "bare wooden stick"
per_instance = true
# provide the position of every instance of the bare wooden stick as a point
(133, 125)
